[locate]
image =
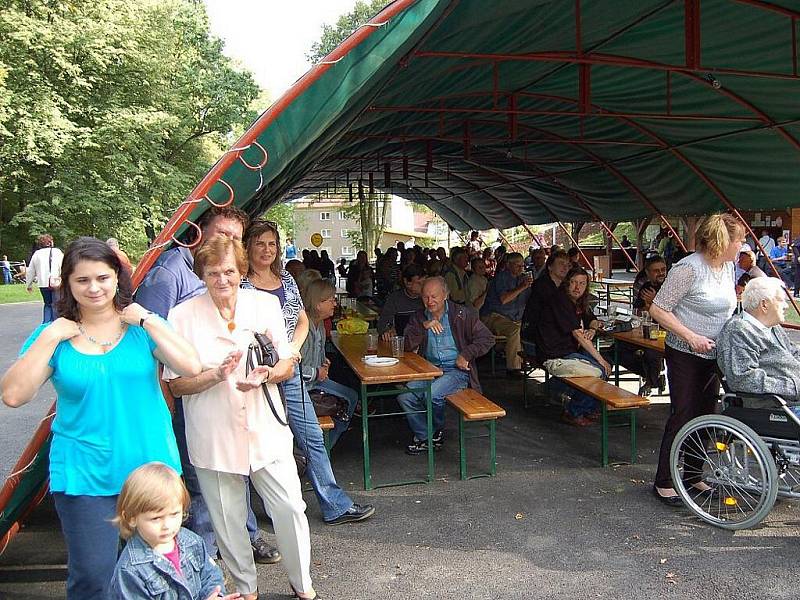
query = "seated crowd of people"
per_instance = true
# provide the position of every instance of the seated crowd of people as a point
(242, 341)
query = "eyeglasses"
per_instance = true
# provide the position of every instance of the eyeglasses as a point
(272, 224)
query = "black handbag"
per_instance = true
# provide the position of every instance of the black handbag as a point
(263, 353)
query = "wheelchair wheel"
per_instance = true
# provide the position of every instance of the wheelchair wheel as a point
(730, 457)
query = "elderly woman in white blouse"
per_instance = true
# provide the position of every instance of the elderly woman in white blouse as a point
(693, 304)
(232, 429)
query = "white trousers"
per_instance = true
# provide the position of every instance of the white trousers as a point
(279, 487)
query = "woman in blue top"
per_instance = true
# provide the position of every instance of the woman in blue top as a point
(101, 357)
(263, 245)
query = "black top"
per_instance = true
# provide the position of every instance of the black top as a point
(558, 318)
(641, 283)
(541, 292)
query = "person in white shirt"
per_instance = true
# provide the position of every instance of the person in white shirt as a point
(768, 244)
(45, 272)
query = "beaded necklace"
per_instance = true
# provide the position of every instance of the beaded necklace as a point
(106, 346)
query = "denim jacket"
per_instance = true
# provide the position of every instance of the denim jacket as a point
(143, 573)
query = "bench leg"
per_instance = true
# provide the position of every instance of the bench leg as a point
(462, 449)
(525, 389)
(603, 434)
(491, 354)
(633, 436)
(492, 447)
(326, 438)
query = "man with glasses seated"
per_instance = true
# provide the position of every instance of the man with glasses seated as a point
(753, 350)
(648, 364)
(402, 303)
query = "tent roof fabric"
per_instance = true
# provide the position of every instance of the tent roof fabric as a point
(531, 111)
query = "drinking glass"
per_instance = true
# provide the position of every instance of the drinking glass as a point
(398, 343)
(372, 341)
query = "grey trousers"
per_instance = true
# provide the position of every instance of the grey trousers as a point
(279, 487)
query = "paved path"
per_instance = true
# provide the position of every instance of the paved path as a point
(552, 524)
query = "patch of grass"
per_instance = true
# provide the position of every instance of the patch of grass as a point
(17, 293)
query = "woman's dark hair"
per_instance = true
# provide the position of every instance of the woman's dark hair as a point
(256, 229)
(89, 248)
(582, 303)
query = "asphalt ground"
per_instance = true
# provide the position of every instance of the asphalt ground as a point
(552, 524)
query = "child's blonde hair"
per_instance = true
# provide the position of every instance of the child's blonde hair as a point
(151, 487)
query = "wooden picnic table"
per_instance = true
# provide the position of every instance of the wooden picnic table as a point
(619, 286)
(635, 338)
(366, 312)
(412, 367)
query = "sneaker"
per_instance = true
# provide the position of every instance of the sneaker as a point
(438, 439)
(417, 446)
(645, 391)
(263, 553)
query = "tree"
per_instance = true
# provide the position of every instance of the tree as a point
(333, 35)
(109, 114)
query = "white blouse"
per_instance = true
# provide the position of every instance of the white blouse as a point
(228, 430)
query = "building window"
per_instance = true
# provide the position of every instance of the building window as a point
(324, 216)
(325, 233)
(345, 233)
(347, 251)
(343, 216)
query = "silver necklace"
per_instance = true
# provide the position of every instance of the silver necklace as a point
(104, 345)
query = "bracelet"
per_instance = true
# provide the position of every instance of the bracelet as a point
(144, 318)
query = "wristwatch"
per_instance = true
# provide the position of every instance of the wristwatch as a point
(147, 315)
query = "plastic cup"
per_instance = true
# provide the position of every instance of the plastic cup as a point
(398, 346)
(372, 342)
(654, 331)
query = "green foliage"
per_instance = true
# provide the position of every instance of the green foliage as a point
(110, 112)
(285, 216)
(333, 35)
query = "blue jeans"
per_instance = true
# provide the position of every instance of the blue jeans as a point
(48, 297)
(6, 276)
(333, 501)
(450, 382)
(580, 404)
(92, 543)
(340, 391)
(199, 521)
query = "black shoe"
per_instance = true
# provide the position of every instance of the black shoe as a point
(438, 439)
(673, 501)
(357, 512)
(417, 446)
(263, 553)
(645, 391)
(662, 384)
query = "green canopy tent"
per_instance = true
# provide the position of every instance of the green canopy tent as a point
(513, 112)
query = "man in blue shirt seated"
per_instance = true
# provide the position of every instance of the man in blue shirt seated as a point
(452, 337)
(779, 257)
(504, 306)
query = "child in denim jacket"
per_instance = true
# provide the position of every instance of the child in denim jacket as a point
(162, 559)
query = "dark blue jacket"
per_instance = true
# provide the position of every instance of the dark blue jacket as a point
(144, 573)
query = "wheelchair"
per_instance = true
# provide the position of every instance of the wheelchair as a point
(749, 455)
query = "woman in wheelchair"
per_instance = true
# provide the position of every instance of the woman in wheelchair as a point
(753, 350)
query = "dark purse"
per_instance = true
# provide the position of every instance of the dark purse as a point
(263, 353)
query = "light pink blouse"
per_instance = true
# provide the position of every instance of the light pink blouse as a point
(228, 430)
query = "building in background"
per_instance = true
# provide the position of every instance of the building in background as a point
(332, 219)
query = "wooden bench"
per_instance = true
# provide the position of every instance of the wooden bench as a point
(472, 406)
(498, 339)
(612, 399)
(326, 424)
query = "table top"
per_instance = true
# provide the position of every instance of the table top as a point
(635, 337)
(616, 282)
(412, 367)
(366, 312)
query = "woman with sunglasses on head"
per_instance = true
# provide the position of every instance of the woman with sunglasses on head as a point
(265, 274)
